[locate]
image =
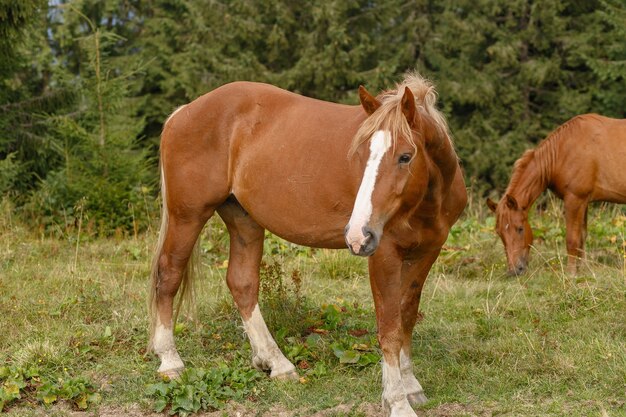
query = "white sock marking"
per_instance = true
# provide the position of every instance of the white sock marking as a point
(411, 384)
(395, 401)
(165, 348)
(265, 352)
(362, 211)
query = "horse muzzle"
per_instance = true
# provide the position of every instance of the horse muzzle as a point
(363, 242)
(519, 268)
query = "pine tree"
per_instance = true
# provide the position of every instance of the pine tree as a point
(104, 177)
(26, 96)
(509, 72)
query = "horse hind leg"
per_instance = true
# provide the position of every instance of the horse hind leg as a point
(171, 269)
(242, 277)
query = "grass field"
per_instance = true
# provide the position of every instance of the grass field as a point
(73, 328)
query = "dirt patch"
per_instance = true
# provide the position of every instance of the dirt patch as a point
(237, 410)
(232, 410)
(453, 410)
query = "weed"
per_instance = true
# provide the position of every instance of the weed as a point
(283, 304)
(350, 353)
(27, 384)
(200, 389)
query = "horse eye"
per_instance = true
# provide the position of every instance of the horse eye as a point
(520, 230)
(405, 158)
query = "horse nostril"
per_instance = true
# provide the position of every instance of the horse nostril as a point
(369, 235)
(371, 239)
(517, 270)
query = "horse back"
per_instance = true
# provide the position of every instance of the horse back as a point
(590, 158)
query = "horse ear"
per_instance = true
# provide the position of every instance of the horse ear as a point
(511, 202)
(408, 106)
(492, 205)
(368, 101)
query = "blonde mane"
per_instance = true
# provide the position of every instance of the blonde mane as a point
(389, 116)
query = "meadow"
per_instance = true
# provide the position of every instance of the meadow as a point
(73, 327)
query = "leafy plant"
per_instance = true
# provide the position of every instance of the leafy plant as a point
(333, 327)
(26, 383)
(77, 391)
(200, 389)
(13, 383)
(281, 300)
(331, 314)
(351, 353)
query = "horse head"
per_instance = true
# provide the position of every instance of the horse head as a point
(513, 228)
(395, 179)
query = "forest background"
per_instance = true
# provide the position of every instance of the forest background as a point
(86, 85)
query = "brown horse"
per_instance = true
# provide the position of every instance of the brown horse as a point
(581, 161)
(265, 158)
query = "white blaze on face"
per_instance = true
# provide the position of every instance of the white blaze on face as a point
(362, 211)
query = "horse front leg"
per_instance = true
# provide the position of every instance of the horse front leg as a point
(575, 230)
(385, 268)
(414, 273)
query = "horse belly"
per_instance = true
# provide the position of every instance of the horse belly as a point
(611, 183)
(299, 193)
(293, 216)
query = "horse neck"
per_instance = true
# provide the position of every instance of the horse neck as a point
(444, 158)
(442, 169)
(534, 175)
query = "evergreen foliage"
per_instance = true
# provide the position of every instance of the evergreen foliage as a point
(26, 94)
(511, 72)
(103, 176)
(73, 129)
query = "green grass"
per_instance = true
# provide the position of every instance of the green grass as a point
(542, 344)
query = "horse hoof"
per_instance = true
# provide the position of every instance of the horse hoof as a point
(399, 409)
(417, 398)
(290, 375)
(171, 373)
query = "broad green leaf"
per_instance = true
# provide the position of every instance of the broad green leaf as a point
(160, 404)
(12, 389)
(49, 398)
(81, 402)
(349, 356)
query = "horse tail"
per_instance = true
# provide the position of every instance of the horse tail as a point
(186, 290)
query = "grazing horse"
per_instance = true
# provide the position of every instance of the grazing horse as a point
(581, 161)
(382, 178)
